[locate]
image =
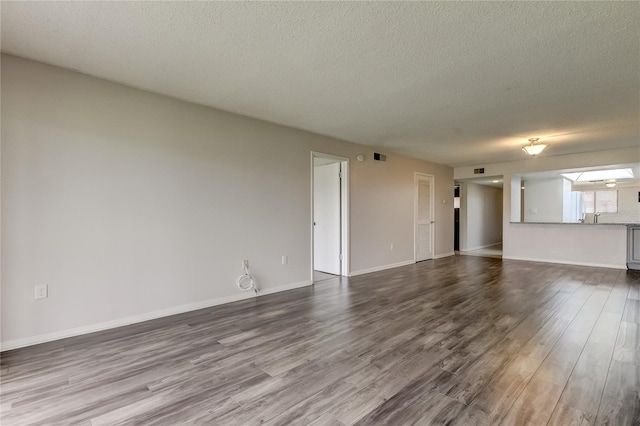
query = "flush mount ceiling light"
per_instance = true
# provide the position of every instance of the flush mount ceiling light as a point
(534, 148)
(611, 183)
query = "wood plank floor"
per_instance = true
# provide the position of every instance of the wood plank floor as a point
(462, 340)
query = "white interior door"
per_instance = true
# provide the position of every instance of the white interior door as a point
(424, 218)
(326, 218)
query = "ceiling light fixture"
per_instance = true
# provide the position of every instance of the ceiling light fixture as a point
(611, 183)
(534, 148)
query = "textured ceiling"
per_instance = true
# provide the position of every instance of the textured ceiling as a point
(451, 82)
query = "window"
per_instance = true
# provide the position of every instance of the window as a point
(600, 201)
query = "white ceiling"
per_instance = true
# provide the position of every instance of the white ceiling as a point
(453, 82)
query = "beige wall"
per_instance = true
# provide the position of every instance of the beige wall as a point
(131, 205)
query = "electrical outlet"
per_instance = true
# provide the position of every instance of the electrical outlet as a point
(41, 292)
(245, 264)
(285, 259)
(391, 246)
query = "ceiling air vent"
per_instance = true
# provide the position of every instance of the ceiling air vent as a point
(379, 157)
(479, 171)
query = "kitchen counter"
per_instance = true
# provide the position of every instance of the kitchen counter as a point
(589, 244)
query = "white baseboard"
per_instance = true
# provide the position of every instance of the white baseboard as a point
(285, 287)
(481, 247)
(63, 334)
(395, 265)
(440, 256)
(567, 262)
(381, 268)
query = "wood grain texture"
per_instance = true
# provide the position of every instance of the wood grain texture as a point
(463, 340)
(535, 404)
(620, 404)
(627, 347)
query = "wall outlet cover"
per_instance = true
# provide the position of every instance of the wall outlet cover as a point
(41, 292)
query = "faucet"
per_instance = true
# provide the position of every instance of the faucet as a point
(595, 217)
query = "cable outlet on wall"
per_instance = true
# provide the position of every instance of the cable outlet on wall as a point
(41, 292)
(285, 259)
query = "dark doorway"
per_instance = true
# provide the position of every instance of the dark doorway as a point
(456, 220)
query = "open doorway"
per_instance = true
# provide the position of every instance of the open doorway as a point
(329, 207)
(480, 217)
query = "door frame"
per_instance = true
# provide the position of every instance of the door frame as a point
(432, 179)
(344, 214)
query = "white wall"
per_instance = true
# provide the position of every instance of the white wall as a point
(543, 200)
(516, 200)
(131, 205)
(483, 216)
(595, 245)
(568, 213)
